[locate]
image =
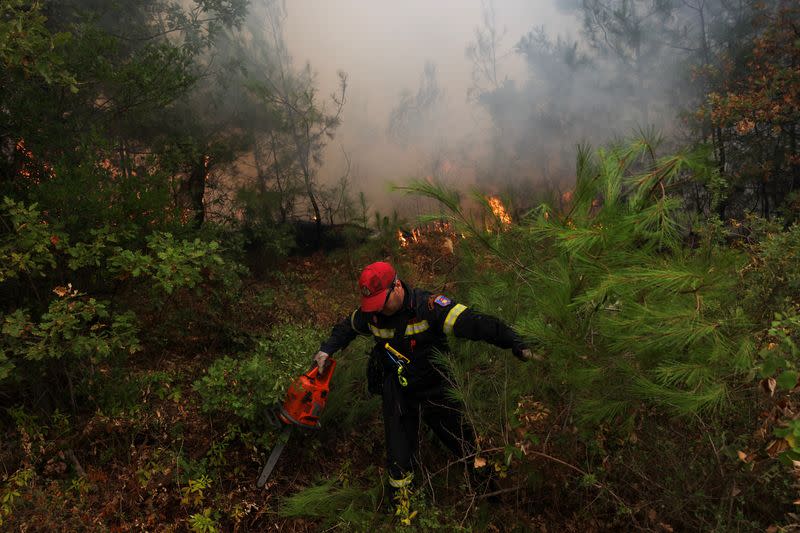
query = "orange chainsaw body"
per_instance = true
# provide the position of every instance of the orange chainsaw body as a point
(307, 397)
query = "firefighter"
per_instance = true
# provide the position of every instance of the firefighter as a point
(408, 326)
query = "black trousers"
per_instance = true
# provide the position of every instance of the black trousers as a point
(402, 410)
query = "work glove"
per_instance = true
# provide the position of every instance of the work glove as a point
(321, 360)
(525, 354)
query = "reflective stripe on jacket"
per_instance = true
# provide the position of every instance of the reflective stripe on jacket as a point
(424, 321)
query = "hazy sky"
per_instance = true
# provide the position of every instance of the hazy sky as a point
(383, 47)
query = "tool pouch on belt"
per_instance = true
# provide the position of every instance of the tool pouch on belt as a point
(376, 368)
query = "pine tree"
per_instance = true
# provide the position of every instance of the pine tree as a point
(626, 312)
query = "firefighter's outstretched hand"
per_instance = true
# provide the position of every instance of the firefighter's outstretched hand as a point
(321, 359)
(525, 355)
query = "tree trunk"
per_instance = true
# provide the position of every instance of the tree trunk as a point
(721, 167)
(283, 193)
(794, 166)
(317, 214)
(303, 144)
(196, 188)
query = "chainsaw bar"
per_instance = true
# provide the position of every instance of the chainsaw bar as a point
(273, 458)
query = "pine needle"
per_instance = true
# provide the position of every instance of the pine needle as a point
(326, 500)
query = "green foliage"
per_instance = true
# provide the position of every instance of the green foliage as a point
(205, 522)
(267, 238)
(95, 252)
(93, 193)
(348, 506)
(624, 312)
(250, 385)
(6, 366)
(387, 228)
(339, 504)
(27, 242)
(171, 264)
(352, 403)
(75, 327)
(194, 491)
(27, 46)
(32, 247)
(68, 332)
(643, 313)
(11, 491)
(790, 432)
(774, 278)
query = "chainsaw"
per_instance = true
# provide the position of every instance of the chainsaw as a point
(302, 408)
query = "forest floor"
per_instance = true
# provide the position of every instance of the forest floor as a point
(157, 463)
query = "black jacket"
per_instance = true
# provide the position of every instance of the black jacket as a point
(418, 329)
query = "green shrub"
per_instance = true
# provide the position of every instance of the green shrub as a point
(249, 385)
(69, 340)
(26, 241)
(205, 522)
(772, 280)
(627, 316)
(169, 264)
(52, 330)
(75, 326)
(10, 491)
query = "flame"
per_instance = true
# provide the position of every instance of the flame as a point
(421, 234)
(403, 241)
(499, 210)
(113, 170)
(28, 168)
(24, 151)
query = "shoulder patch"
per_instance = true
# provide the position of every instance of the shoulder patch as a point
(443, 300)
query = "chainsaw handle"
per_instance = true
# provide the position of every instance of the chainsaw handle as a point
(325, 378)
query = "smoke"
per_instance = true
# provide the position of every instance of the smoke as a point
(494, 94)
(406, 61)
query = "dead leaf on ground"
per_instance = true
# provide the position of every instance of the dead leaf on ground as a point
(777, 446)
(768, 386)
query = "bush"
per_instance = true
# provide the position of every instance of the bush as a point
(47, 338)
(170, 265)
(26, 242)
(70, 339)
(627, 315)
(250, 385)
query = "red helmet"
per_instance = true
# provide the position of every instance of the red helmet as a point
(374, 283)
